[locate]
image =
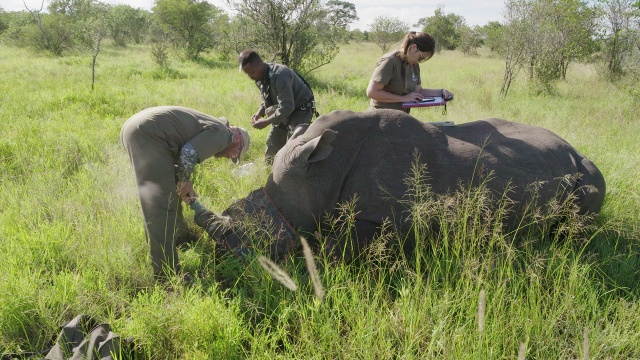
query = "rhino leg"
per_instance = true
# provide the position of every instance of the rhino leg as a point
(215, 225)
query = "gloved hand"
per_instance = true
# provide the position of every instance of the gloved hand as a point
(186, 192)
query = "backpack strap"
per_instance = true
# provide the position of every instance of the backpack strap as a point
(310, 104)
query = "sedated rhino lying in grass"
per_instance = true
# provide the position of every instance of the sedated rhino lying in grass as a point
(368, 156)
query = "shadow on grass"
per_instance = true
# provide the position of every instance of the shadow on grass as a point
(212, 63)
(165, 73)
(617, 251)
(345, 88)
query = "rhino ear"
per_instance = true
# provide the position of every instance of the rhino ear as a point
(318, 148)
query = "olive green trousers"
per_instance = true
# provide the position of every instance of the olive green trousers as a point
(154, 167)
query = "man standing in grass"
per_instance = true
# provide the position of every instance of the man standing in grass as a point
(164, 145)
(287, 100)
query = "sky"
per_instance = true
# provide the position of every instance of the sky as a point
(475, 12)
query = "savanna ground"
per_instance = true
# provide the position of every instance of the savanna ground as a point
(71, 231)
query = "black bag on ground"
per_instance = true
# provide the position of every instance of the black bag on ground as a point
(85, 338)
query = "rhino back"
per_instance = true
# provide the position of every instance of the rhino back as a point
(520, 155)
(373, 153)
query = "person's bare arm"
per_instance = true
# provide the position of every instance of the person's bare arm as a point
(376, 91)
(435, 92)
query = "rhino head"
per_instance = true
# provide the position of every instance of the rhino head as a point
(290, 201)
(300, 196)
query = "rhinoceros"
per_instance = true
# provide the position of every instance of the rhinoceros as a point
(365, 157)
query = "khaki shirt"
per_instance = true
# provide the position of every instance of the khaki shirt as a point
(283, 90)
(397, 76)
(174, 126)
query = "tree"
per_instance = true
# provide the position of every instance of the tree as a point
(189, 23)
(470, 39)
(49, 32)
(637, 16)
(385, 31)
(3, 22)
(357, 35)
(618, 35)
(160, 44)
(568, 27)
(125, 23)
(301, 34)
(340, 15)
(545, 36)
(515, 40)
(37, 17)
(234, 37)
(87, 20)
(491, 35)
(443, 28)
(93, 29)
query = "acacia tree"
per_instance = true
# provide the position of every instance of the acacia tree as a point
(545, 36)
(301, 34)
(491, 35)
(514, 38)
(619, 34)
(385, 31)
(52, 46)
(40, 30)
(93, 29)
(189, 23)
(341, 14)
(470, 39)
(445, 28)
(88, 21)
(637, 13)
(568, 29)
(234, 38)
(126, 23)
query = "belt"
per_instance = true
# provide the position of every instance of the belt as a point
(309, 105)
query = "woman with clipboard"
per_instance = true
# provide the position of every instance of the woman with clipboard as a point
(396, 78)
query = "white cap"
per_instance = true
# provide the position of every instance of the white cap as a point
(245, 144)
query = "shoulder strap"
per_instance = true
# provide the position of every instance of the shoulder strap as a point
(314, 109)
(303, 80)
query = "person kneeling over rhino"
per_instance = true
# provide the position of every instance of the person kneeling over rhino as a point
(164, 144)
(366, 157)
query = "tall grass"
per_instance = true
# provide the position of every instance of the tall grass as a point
(70, 225)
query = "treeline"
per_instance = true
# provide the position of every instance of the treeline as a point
(543, 37)
(538, 37)
(303, 34)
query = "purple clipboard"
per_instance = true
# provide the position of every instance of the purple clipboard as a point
(429, 101)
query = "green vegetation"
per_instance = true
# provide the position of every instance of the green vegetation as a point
(386, 31)
(192, 25)
(70, 225)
